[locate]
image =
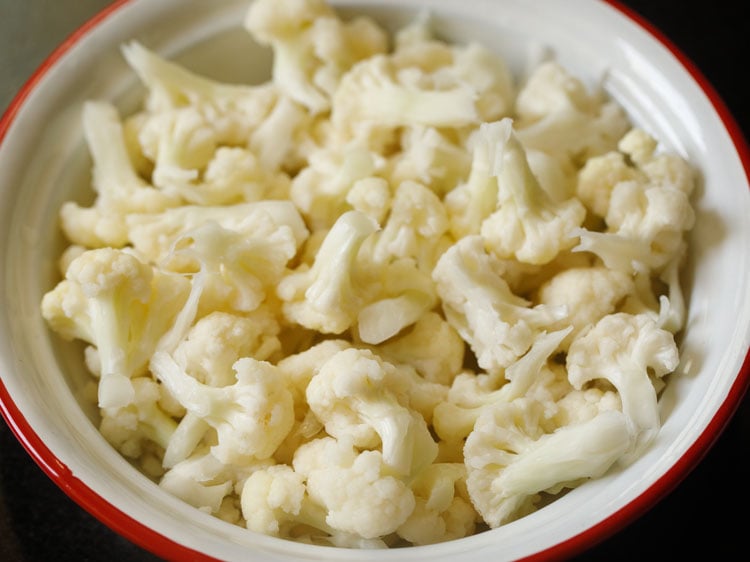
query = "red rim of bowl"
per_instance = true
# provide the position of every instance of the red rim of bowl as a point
(162, 546)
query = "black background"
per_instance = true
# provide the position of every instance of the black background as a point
(707, 512)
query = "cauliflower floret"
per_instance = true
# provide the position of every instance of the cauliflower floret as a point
(143, 418)
(473, 200)
(378, 96)
(510, 460)
(590, 294)
(219, 339)
(274, 500)
(498, 325)
(321, 189)
(400, 294)
(660, 168)
(416, 227)
(251, 417)
(119, 189)
(204, 482)
(582, 405)
(648, 214)
(371, 196)
(442, 510)
(356, 488)
(299, 368)
(232, 110)
(432, 346)
(239, 270)
(325, 297)
(598, 178)
(352, 398)
(235, 175)
(627, 351)
(557, 115)
(153, 235)
(189, 482)
(180, 143)
(120, 305)
(657, 215)
(527, 225)
(429, 156)
(454, 418)
(312, 48)
(428, 61)
(275, 140)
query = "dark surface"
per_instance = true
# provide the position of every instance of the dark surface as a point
(706, 513)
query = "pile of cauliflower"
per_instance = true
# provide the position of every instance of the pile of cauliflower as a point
(393, 296)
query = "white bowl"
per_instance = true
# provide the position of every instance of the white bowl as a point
(43, 162)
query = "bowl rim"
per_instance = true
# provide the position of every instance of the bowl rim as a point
(160, 545)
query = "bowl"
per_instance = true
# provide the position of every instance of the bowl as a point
(43, 163)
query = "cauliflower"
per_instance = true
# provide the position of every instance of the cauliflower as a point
(356, 488)
(232, 111)
(127, 427)
(251, 417)
(473, 200)
(454, 418)
(153, 235)
(234, 175)
(557, 115)
(430, 157)
(527, 225)
(510, 460)
(350, 395)
(402, 294)
(120, 305)
(423, 82)
(498, 325)
(120, 191)
(216, 341)
(299, 368)
(239, 271)
(648, 213)
(203, 481)
(442, 510)
(582, 405)
(391, 296)
(590, 294)
(371, 196)
(665, 168)
(180, 143)
(325, 297)
(432, 346)
(313, 49)
(375, 95)
(416, 227)
(598, 178)
(275, 497)
(321, 190)
(627, 351)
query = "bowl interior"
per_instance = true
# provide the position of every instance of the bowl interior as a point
(43, 162)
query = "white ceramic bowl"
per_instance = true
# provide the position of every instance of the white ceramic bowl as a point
(43, 162)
